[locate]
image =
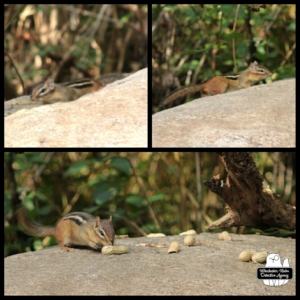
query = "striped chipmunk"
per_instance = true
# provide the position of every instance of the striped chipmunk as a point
(222, 84)
(75, 229)
(50, 92)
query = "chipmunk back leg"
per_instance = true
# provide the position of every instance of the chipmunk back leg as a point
(61, 234)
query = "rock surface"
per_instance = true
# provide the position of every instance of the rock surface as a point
(210, 267)
(115, 116)
(259, 116)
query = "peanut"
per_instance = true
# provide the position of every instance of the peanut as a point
(246, 255)
(225, 236)
(174, 247)
(189, 240)
(155, 234)
(114, 250)
(192, 231)
(259, 257)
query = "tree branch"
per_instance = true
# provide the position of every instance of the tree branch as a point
(247, 203)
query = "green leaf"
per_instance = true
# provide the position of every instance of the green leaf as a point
(77, 168)
(157, 197)
(135, 200)
(121, 164)
(103, 194)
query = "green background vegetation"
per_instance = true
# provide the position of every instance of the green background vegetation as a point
(144, 191)
(71, 41)
(192, 43)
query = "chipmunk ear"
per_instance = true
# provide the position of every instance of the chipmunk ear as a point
(110, 219)
(97, 222)
(253, 65)
(50, 83)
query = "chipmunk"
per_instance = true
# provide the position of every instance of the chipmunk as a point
(50, 92)
(223, 84)
(77, 228)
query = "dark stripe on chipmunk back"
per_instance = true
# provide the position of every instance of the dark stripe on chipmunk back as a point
(80, 83)
(79, 218)
(78, 221)
(232, 77)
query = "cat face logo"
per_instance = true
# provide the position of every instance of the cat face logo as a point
(274, 261)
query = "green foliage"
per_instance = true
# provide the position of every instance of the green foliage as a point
(77, 168)
(146, 188)
(192, 43)
(135, 200)
(103, 193)
(70, 41)
(122, 165)
(274, 232)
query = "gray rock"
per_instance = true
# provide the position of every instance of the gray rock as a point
(115, 116)
(259, 116)
(210, 267)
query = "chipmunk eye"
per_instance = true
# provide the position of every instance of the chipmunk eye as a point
(102, 233)
(42, 90)
(261, 70)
